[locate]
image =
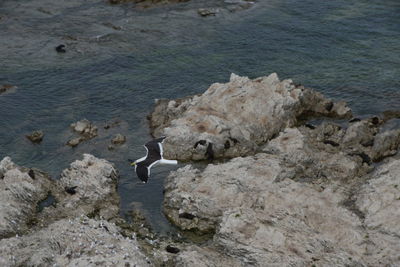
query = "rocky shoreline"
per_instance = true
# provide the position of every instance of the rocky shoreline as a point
(277, 189)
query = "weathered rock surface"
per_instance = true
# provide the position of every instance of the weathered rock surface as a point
(297, 204)
(94, 182)
(379, 201)
(75, 242)
(63, 234)
(20, 191)
(386, 144)
(232, 119)
(204, 257)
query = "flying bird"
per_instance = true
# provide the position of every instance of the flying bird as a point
(153, 156)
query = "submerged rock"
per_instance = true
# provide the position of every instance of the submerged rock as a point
(36, 136)
(236, 117)
(75, 141)
(204, 12)
(118, 139)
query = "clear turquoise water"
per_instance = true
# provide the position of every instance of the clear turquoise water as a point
(348, 50)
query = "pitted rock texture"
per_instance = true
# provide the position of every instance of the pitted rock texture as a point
(232, 119)
(73, 242)
(379, 201)
(302, 202)
(21, 189)
(94, 183)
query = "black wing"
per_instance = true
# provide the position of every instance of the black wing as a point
(153, 147)
(142, 172)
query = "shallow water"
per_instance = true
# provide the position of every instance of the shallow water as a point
(348, 50)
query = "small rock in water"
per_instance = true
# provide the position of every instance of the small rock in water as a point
(118, 139)
(75, 141)
(85, 127)
(61, 48)
(6, 87)
(204, 12)
(36, 136)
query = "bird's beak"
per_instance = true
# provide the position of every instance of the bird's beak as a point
(133, 163)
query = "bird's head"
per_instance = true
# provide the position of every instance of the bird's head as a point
(132, 162)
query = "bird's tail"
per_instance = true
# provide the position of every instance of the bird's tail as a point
(168, 161)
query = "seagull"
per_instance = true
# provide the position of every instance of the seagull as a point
(153, 156)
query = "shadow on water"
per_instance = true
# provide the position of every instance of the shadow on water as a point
(348, 50)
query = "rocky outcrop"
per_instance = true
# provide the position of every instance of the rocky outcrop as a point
(89, 187)
(76, 230)
(232, 119)
(261, 220)
(73, 242)
(21, 189)
(297, 203)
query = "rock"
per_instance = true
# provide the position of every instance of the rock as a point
(19, 196)
(309, 158)
(60, 48)
(118, 139)
(379, 201)
(385, 144)
(75, 141)
(112, 124)
(86, 128)
(204, 12)
(204, 257)
(361, 132)
(95, 184)
(61, 234)
(73, 242)
(302, 201)
(36, 136)
(260, 218)
(250, 112)
(7, 88)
